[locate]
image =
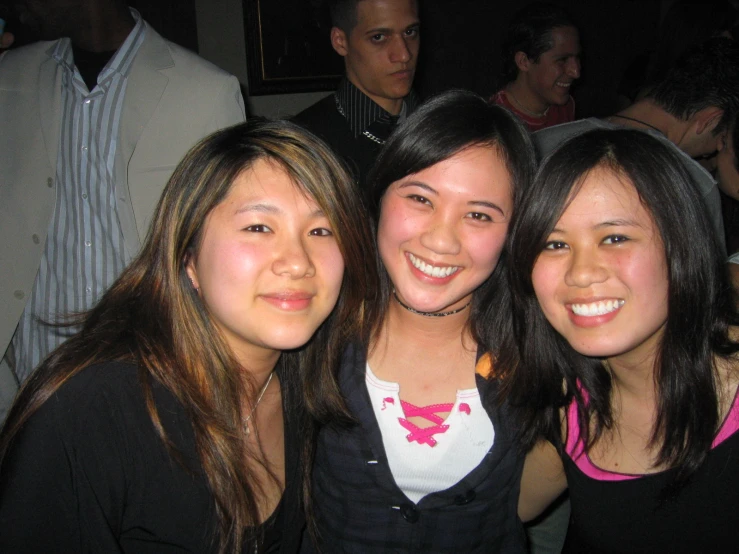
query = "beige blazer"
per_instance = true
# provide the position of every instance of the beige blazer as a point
(173, 99)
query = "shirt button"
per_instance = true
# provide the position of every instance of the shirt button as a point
(88, 101)
(88, 289)
(49, 182)
(88, 243)
(409, 513)
(19, 294)
(84, 195)
(35, 239)
(466, 498)
(84, 148)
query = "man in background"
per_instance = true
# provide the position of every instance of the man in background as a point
(541, 60)
(690, 110)
(94, 120)
(379, 41)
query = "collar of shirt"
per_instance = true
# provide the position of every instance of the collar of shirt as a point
(361, 111)
(121, 61)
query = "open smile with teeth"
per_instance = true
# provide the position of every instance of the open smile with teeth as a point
(597, 308)
(565, 85)
(432, 270)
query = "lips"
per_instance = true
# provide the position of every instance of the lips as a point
(290, 301)
(403, 74)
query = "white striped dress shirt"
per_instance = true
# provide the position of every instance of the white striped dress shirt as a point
(84, 251)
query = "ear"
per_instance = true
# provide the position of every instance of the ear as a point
(707, 119)
(339, 41)
(191, 271)
(522, 61)
(723, 141)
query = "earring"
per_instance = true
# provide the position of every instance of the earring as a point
(192, 282)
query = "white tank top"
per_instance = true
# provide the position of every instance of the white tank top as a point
(423, 462)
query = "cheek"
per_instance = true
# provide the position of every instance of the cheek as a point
(394, 228)
(332, 263)
(485, 249)
(545, 278)
(222, 263)
(649, 274)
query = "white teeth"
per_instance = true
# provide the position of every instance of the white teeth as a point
(597, 308)
(564, 84)
(431, 270)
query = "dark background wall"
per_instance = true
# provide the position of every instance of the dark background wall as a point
(462, 38)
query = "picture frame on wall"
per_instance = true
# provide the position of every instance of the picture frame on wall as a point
(288, 47)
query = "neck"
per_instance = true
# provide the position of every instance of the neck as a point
(256, 365)
(423, 330)
(649, 115)
(390, 105)
(634, 375)
(108, 25)
(522, 98)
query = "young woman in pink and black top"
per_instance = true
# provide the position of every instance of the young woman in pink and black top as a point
(627, 377)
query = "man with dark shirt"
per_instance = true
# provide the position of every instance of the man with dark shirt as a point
(379, 41)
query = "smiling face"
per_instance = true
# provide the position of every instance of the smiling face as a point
(381, 51)
(267, 267)
(549, 79)
(602, 279)
(441, 230)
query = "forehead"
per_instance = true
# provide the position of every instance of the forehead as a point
(476, 170)
(565, 40)
(266, 178)
(390, 14)
(603, 192)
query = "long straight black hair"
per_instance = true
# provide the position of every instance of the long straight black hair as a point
(544, 373)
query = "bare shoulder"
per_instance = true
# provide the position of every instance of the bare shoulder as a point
(543, 480)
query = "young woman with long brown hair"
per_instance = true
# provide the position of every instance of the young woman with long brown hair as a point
(172, 420)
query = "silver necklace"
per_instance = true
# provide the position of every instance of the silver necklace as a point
(524, 110)
(245, 424)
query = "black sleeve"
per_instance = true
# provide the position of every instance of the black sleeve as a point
(62, 484)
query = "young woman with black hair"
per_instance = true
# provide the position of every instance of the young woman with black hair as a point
(625, 377)
(424, 460)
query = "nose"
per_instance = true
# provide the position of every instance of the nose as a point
(441, 237)
(585, 269)
(573, 67)
(399, 50)
(292, 259)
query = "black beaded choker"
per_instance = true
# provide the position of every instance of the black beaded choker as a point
(430, 314)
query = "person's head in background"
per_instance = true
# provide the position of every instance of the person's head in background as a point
(541, 57)
(701, 91)
(727, 161)
(93, 25)
(379, 41)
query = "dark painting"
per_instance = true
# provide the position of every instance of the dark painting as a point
(288, 47)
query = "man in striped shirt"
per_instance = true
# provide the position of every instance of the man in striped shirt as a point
(92, 127)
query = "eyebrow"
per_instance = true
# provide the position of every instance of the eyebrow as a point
(272, 209)
(606, 224)
(258, 208)
(486, 204)
(481, 203)
(388, 30)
